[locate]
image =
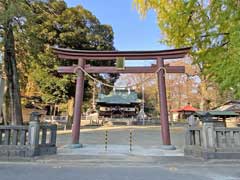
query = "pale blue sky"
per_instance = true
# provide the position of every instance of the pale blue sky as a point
(131, 32)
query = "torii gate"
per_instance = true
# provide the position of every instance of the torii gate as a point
(82, 56)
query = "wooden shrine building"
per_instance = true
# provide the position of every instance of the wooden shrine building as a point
(120, 103)
(82, 68)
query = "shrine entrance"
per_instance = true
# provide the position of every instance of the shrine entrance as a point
(83, 56)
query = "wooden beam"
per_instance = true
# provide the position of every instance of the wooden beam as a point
(110, 69)
(66, 69)
(129, 55)
(115, 70)
(132, 57)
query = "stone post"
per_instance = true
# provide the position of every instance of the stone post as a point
(208, 137)
(33, 129)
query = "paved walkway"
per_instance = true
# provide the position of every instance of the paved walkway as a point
(119, 150)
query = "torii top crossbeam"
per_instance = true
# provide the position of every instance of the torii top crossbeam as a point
(129, 55)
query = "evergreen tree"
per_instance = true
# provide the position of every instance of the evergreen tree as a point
(12, 15)
(75, 28)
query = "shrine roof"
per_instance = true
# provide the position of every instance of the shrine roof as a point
(229, 107)
(187, 108)
(119, 97)
(217, 113)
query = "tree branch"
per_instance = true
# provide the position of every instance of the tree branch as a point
(225, 43)
(191, 75)
(216, 34)
(190, 18)
(188, 21)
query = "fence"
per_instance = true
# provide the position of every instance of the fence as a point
(28, 141)
(193, 137)
(227, 138)
(58, 120)
(211, 142)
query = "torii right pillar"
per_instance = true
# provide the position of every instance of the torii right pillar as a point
(163, 105)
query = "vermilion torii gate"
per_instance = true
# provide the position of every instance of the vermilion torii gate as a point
(82, 57)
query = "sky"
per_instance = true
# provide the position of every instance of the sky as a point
(131, 31)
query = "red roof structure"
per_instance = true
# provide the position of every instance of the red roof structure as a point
(187, 108)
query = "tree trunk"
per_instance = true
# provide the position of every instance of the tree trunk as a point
(13, 97)
(6, 107)
(204, 104)
(70, 111)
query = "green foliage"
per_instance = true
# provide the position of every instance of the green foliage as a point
(54, 24)
(12, 11)
(211, 28)
(55, 89)
(72, 28)
(13, 15)
(38, 25)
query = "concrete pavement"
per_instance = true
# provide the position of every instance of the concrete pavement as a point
(119, 150)
(146, 161)
(135, 168)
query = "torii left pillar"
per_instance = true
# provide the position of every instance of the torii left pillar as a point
(78, 104)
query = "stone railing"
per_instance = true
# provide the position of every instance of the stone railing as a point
(193, 136)
(13, 135)
(227, 138)
(58, 120)
(27, 141)
(211, 142)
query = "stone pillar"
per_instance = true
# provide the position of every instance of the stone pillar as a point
(33, 129)
(163, 105)
(208, 135)
(78, 105)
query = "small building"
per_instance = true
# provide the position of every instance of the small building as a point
(233, 105)
(219, 117)
(120, 103)
(183, 112)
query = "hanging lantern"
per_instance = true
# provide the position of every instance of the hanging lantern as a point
(120, 63)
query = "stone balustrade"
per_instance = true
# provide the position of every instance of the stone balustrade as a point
(28, 141)
(212, 142)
